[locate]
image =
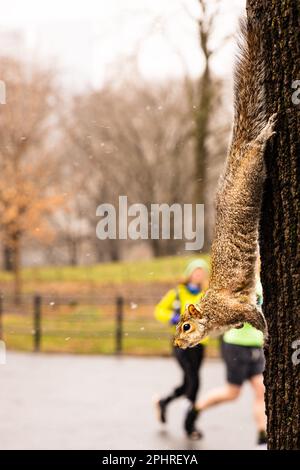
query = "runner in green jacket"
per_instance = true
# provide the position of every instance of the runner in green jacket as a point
(242, 351)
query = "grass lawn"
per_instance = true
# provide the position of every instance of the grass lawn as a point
(156, 269)
(87, 330)
(91, 330)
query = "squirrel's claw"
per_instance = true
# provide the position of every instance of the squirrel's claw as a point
(268, 131)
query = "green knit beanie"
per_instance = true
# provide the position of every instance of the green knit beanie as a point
(195, 264)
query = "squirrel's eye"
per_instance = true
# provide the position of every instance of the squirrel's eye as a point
(186, 327)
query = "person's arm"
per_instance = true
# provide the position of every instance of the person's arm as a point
(165, 309)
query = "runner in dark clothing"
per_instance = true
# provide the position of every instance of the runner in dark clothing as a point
(168, 311)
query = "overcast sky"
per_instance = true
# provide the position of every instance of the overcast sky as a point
(85, 37)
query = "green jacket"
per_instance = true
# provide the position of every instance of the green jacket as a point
(247, 335)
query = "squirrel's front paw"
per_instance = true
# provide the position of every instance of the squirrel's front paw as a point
(268, 130)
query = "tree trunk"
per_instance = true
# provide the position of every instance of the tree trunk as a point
(202, 123)
(114, 250)
(8, 257)
(279, 23)
(17, 270)
(156, 247)
(73, 251)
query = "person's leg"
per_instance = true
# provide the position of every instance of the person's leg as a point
(228, 392)
(259, 402)
(255, 377)
(194, 361)
(236, 371)
(180, 356)
(235, 376)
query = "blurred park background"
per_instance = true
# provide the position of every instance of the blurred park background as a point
(108, 309)
(101, 99)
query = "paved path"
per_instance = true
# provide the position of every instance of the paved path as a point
(88, 402)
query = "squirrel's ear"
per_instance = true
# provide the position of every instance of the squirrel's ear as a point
(193, 310)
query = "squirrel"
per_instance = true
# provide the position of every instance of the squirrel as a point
(230, 300)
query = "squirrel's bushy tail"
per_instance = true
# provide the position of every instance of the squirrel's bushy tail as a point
(249, 99)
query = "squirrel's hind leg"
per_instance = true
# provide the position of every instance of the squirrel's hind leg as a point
(238, 313)
(256, 318)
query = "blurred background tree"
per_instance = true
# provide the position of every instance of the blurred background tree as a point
(64, 152)
(27, 174)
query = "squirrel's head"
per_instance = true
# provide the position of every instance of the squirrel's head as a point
(190, 330)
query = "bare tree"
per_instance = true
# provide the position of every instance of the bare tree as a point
(25, 165)
(204, 96)
(135, 144)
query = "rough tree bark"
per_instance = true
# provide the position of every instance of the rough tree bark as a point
(279, 24)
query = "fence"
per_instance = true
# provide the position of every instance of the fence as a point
(83, 324)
